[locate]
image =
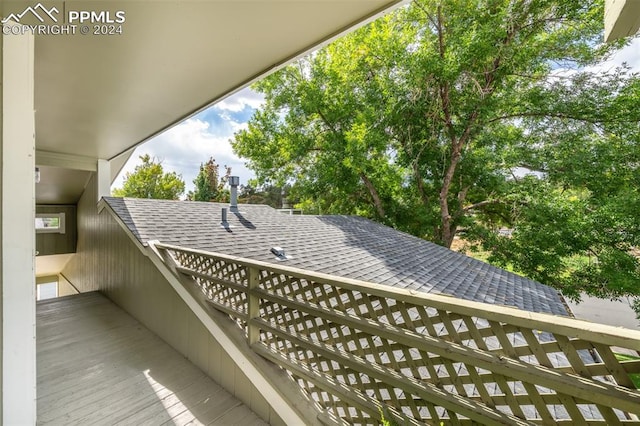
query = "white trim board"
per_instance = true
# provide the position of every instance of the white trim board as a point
(18, 231)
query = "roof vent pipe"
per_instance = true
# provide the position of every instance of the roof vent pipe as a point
(224, 217)
(234, 181)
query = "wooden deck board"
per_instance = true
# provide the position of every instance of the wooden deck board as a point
(173, 407)
(98, 365)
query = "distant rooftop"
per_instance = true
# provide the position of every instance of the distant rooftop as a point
(345, 246)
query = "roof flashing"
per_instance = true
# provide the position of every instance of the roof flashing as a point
(281, 256)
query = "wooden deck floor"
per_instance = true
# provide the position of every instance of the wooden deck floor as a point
(98, 365)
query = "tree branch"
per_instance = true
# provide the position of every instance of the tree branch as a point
(418, 177)
(481, 204)
(327, 122)
(546, 114)
(462, 195)
(374, 195)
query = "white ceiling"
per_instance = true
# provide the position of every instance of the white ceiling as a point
(100, 96)
(97, 96)
(52, 264)
(60, 186)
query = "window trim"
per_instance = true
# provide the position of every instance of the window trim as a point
(57, 230)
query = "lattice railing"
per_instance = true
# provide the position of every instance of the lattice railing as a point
(358, 349)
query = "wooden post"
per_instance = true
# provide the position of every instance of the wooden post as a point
(254, 305)
(103, 179)
(17, 228)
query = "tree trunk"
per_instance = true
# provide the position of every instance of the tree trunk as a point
(374, 195)
(447, 231)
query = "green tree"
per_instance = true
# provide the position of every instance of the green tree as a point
(209, 185)
(266, 194)
(577, 226)
(149, 180)
(405, 120)
(423, 120)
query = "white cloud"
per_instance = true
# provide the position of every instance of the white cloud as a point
(628, 54)
(238, 101)
(236, 126)
(184, 147)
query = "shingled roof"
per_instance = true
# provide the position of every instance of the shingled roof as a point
(346, 246)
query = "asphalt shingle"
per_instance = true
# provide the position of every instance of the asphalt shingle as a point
(347, 246)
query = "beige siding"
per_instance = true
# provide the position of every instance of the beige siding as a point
(108, 260)
(1, 248)
(55, 243)
(64, 287)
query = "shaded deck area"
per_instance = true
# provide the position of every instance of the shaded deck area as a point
(98, 365)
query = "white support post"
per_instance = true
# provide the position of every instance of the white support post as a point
(621, 18)
(253, 305)
(103, 179)
(18, 231)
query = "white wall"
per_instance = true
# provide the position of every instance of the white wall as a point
(621, 18)
(18, 233)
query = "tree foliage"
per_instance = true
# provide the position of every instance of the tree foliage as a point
(266, 194)
(209, 185)
(577, 228)
(149, 180)
(426, 119)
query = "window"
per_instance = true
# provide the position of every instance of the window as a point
(46, 291)
(50, 223)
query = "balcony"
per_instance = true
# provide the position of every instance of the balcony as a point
(98, 365)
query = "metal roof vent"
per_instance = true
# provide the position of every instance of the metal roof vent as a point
(234, 181)
(224, 222)
(279, 253)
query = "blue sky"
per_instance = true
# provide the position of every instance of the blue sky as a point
(183, 147)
